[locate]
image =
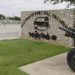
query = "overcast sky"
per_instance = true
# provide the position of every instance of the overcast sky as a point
(14, 7)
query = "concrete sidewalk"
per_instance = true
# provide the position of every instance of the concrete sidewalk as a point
(56, 65)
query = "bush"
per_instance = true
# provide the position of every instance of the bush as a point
(2, 17)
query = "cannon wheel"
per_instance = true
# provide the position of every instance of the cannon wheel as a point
(71, 59)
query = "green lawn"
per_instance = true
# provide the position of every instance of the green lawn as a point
(15, 53)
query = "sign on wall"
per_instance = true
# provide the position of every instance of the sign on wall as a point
(41, 24)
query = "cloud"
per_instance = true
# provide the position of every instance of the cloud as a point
(14, 7)
(10, 7)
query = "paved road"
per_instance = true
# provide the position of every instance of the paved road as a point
(10, 31)
(56, 65)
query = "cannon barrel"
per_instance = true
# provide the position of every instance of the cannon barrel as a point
(71, 28)
(69, 31)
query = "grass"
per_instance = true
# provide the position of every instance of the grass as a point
(15, 53)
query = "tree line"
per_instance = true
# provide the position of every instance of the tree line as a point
(59, 1)
(3, 17)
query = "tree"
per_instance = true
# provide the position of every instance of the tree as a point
(2, 17)
(72, 1)
(14, 18)
(10, 18)
(58, 1)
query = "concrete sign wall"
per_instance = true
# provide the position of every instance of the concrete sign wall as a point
(44, 25)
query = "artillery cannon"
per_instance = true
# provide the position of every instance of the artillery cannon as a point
(70, 32)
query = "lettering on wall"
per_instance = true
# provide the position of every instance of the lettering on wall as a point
(36, 35)
(43, 13)
(41, 24)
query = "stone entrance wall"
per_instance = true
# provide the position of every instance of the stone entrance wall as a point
(44, 25)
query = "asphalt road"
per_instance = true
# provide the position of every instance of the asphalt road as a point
(10, 31)
(56, 65)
